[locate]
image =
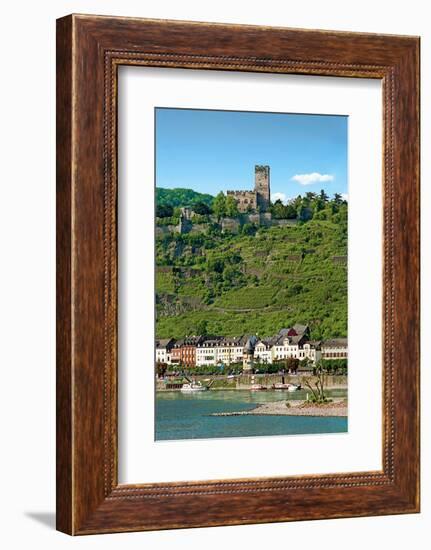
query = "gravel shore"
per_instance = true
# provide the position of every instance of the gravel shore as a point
(337, 407)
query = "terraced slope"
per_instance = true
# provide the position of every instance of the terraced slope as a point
(232, 284)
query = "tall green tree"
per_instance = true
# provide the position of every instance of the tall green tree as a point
(304, 213)
(278, 210)
(310, 196)
(201, 208)
(231, 207)
(323, 196)
(290, 211)
(318, 204)
(164, 210)
(219, 205)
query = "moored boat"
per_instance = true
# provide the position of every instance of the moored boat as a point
(257, 387)
(193, 387)
(281, 386)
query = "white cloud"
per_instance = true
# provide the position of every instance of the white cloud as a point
(345, 196)
(280, 196)
(314, 177)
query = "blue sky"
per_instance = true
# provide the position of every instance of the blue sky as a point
(212, 151)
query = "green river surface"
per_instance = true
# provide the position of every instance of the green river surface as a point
(187, 416)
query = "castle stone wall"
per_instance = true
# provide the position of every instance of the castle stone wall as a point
(226, 224)
(198, 228)
(284, 223)
(245, 200)
(230, 224)
(253, 218)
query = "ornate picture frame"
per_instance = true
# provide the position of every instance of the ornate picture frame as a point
(89, 51)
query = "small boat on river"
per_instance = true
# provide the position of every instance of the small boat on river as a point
(280, 386)
(258, 387)
(192, 387)
(286, 387)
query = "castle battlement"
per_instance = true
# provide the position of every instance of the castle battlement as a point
(240, 193)
(262, 168)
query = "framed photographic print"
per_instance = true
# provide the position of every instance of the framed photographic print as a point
(237, 276)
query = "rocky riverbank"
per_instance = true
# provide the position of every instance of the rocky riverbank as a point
(337, 407)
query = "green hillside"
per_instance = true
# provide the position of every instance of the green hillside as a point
(181, 197)
(255, 283)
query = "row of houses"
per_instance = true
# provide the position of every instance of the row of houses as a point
(293, 342)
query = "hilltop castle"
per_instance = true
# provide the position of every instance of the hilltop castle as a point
(259, 199)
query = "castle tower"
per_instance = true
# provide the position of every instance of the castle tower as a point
(261, 186)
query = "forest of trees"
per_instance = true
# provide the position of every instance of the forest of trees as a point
(303, 208)
(181, 197)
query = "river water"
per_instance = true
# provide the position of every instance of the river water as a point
(187, 416)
